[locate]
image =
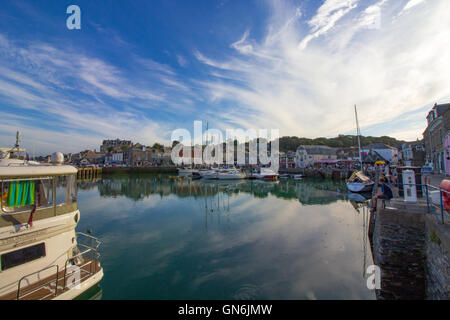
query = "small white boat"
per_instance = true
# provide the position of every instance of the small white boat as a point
(359, 183)
(284, 176)
(208, 174)
(267, 174)
(230, 175)
(297, 176)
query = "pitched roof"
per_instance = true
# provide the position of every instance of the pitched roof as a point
(441, 108)
(319, 150)
(378, 146)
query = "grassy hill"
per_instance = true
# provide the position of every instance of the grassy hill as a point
(342, 141)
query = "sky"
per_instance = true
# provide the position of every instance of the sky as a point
(140, 69)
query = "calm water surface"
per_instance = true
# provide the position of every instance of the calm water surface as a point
(164, 239)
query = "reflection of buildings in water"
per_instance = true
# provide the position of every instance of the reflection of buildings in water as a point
(138, 187)
(88, 184)
(320, 192)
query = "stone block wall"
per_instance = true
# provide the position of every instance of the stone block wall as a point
(437, 241)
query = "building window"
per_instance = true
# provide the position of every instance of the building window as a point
(21, 256)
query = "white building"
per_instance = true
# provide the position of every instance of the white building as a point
(308, 155)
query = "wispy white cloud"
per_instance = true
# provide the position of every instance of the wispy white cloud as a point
(386, 70)
(412, 3)
(182, 60)
(327, 16)
(67, 92)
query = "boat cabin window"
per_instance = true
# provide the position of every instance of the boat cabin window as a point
(66, 189)
(21, 256)
(21, 194)
(18, 195)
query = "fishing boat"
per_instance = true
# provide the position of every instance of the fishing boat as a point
(359, 182)
(232, 174)
(267, 174)
(42, 257)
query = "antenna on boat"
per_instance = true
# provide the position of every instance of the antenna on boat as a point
(358, 133)
(17, 140)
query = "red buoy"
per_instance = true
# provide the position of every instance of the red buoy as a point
(445, 185)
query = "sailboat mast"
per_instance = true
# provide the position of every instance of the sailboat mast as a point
(358, 133)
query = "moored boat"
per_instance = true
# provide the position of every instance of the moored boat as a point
(209, 174)
(230, 175)
(267, 174)
(42, 257)
(359, 183)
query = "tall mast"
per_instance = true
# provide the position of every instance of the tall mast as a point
(206, 133)
(358, 133)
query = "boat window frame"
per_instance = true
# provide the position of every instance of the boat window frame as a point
(28, 209)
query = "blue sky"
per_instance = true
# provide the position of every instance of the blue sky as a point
(140, 69)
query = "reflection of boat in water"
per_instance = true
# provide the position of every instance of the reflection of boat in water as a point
(297, 176)
(359, 197)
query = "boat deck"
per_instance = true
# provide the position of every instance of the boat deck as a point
(45, 288)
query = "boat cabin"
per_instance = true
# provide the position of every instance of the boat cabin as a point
(41, 255)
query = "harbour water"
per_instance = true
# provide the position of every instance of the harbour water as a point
(166, 239)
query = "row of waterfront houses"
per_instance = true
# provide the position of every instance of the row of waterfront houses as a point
(123, 152)
(437, 138)
(307, 156)
(433, 150)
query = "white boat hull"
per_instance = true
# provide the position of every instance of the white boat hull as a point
(230, 176)
(359, 187)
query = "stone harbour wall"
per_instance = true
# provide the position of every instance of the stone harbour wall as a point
(398, 245)
(437, 240)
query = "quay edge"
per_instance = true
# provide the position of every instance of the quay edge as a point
(412, 250)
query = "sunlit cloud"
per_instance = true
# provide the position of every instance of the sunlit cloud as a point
(386, 66)
(301, 71)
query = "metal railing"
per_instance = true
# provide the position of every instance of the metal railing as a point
(93, 268)
(92, 248)
(430, 205)
(40, 286)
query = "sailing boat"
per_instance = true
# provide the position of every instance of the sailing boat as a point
(358, 181)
